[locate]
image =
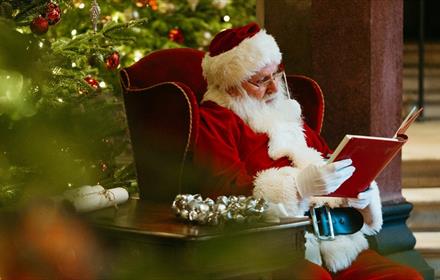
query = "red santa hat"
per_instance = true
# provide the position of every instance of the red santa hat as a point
(236, 54)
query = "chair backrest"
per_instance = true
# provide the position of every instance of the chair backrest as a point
(309, 95)
(182, 65)
(161, 95)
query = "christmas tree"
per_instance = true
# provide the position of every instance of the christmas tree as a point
(62, 123)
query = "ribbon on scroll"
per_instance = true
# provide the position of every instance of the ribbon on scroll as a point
(90, 198)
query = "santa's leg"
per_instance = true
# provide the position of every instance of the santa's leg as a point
(370, 265)
(303, 270)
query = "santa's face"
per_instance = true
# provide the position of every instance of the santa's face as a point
(264, 84)
(266, 112)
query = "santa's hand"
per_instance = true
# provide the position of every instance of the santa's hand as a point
(321, 180)
(363, 199)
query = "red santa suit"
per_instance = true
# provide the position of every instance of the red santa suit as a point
(235, 153)
(264, 160)
(243, 161)
(257, 148)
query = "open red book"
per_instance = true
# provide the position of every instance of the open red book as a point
(370, 155)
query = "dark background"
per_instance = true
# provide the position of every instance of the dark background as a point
(411, 17)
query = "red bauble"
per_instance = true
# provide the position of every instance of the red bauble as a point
(144, 3)
(112, 61)
(176, 35)
(53, 13)
(39, 25)
(92, 82)
(153, 4)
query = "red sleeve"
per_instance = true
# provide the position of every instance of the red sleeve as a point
(217, 153)
(315, 141)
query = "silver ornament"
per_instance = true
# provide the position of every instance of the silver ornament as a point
(232, 208)
(95, 12)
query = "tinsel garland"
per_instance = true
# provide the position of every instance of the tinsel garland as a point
(194, 208)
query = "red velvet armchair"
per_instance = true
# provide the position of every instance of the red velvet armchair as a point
(161, 95)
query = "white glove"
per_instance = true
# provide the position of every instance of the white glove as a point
(363, 199)
(321, 180)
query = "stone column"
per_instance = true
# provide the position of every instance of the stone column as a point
(290, 22)
(353, 49)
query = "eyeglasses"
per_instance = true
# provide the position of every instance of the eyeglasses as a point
(267, 80)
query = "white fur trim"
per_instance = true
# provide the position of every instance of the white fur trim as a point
(287, 139)
(373, 212)
(220, 97)
(338, 254)
(275, 212)
(332, 202)
(230, 68)
(312, 252)
(277, 185)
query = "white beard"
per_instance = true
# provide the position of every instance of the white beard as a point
(279, 117)
(263, 115)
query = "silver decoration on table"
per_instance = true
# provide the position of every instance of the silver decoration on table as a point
(193, 208)
(95, 12)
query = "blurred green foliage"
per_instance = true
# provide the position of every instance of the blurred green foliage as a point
(56, 130)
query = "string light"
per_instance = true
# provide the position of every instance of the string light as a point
(137, 55)
(81, 5)
(73, 64)
(74, 32)
(60, 100)
(102, 84)
(226, 18)
(117, 16)
(56, 70)
(40, 44)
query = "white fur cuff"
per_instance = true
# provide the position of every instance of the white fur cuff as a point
(372, 214)
(312, 252)
(338, 254)
(277, 185)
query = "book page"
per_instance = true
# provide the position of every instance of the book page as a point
(410, 118)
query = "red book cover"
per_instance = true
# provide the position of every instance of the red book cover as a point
(370, 155)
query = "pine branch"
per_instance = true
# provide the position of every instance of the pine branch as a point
(118, 27)
(31, 10)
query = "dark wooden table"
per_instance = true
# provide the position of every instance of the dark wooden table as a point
(147, 239)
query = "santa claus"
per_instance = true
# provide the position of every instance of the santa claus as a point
(254, 142)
